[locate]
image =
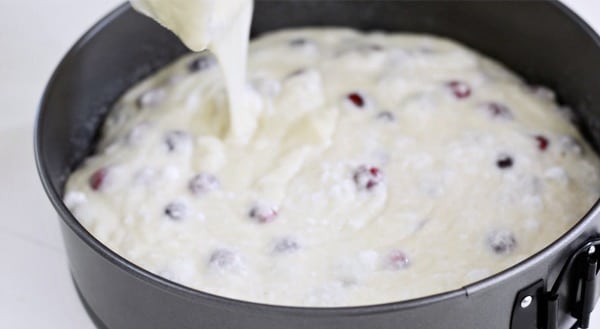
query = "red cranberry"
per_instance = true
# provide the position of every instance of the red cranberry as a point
(367, 178)
(356, 99)
(203, 183)
(263, 213)
(459, 89)
(97, 179)
(396, 260)
(504, 161)
(175, 210)
(386, 116)
(542, 142)
(501, 242)
(286, 245)
(498, 110)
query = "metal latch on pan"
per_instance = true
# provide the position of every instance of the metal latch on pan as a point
(537, 308)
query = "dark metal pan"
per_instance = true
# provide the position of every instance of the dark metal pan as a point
(541, 40)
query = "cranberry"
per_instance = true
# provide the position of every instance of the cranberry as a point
(386, 116)
(542, 142)
(223, 258)
(151, 98)
(504, 161)
(174, 139)
(175, 210)
(203, 183)
(396, 260)
(498, 110)
(286, 245)
(356, 99)
(263, 213)
(459, 89)
(502, 242)
(367, 178)
(97, 179)
(201, 63)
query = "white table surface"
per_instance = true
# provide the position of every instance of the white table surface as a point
(35, 286)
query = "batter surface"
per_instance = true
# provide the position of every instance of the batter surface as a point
(383, 167)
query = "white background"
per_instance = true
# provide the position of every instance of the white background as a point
(35, 287)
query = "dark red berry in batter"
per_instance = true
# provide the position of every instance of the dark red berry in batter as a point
(367, 178)
(97, 179)
(459, 89)
(203, 183)
(396, 260)
(263, 213)
(356, 99)
(504, 162)
(502, 242)
(542, 142)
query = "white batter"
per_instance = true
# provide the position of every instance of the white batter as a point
(383, 167)
(223, 27)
